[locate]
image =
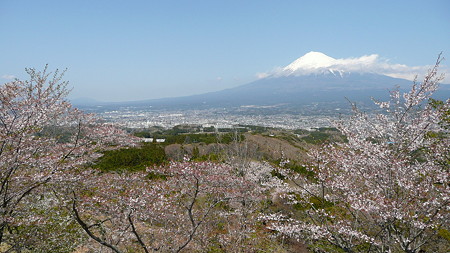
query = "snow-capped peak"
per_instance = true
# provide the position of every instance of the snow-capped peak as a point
(310, 61)
(317, 63)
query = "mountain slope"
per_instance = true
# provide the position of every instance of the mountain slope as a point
(298, 90)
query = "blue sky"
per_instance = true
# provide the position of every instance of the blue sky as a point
(131, 50)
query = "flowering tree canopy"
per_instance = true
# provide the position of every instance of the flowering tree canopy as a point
(41, 137)
(387, 188)
(184, 205)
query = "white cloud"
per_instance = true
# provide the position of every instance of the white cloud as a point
(8, 77)
(315, 62)
(262, 75)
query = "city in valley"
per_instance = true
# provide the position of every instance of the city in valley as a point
(279, 116)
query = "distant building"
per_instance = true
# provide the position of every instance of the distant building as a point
(160, 140)
(147, 139)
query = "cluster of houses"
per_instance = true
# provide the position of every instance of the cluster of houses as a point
(153, 140)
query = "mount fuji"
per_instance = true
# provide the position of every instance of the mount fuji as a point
(314, 78)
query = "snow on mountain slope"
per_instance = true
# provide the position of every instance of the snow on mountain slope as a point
(320, 63)
(311, 60)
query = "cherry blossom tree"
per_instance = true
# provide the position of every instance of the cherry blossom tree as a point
(41, 137)
(182, 206)
(384, 190)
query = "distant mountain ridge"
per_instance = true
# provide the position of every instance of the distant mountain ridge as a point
(313, 78)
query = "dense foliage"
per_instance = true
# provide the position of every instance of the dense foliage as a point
(132, 159)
